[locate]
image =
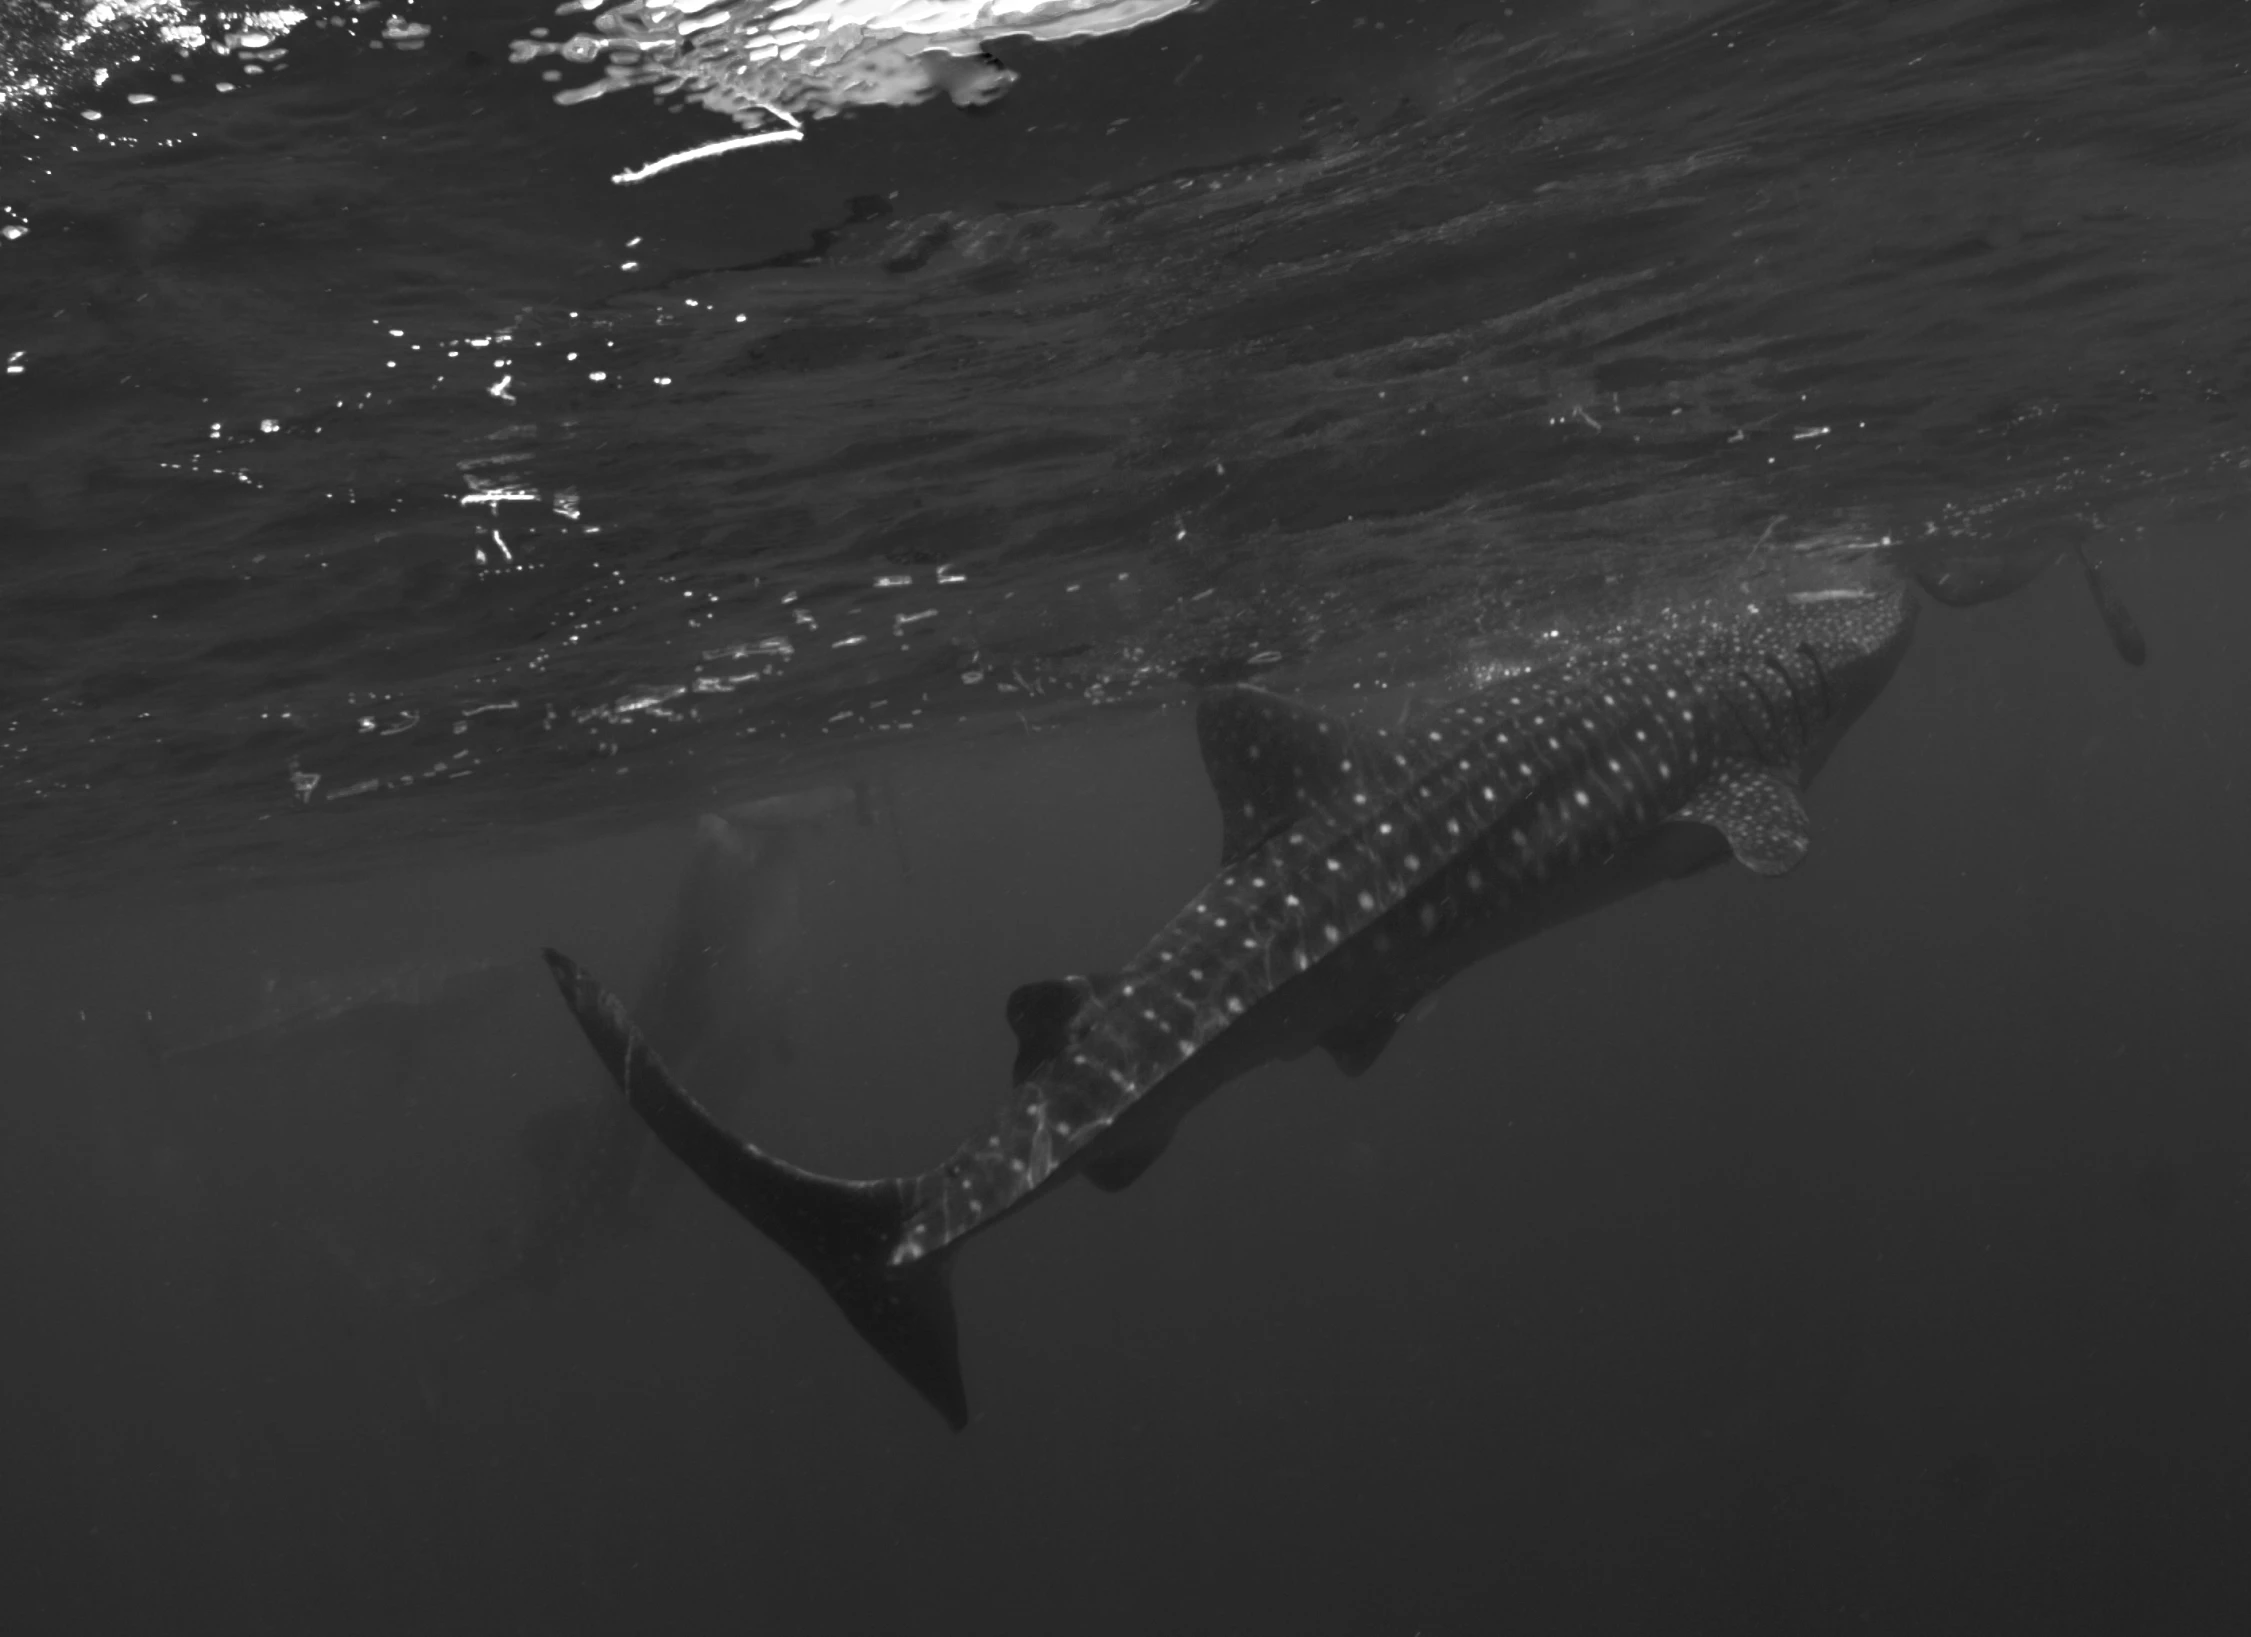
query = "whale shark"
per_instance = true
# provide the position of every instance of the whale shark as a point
(1360, 869)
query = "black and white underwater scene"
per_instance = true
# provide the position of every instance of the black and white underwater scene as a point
(1125, 817)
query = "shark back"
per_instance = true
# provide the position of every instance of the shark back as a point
(1348, 856)
(1329, 829)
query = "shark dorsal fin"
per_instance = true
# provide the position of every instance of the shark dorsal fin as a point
(1042, 1014)
(1757, 809)
(1272, 761)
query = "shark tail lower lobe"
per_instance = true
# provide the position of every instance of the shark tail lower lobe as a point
(841, 1232)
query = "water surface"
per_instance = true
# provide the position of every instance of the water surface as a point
(411, 532)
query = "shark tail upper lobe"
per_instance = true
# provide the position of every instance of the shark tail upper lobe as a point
(842, 1232)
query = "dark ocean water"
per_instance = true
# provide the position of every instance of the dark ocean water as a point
(406, 534)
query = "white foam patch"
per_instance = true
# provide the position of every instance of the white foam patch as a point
(771, 64)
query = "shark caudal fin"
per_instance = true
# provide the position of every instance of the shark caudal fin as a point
(841, 1232)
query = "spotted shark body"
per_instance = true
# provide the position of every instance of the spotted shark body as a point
(1359, 871)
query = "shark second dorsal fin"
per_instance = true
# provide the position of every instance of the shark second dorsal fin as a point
(1757, 809)
(1271, 761)
(1042, 1014)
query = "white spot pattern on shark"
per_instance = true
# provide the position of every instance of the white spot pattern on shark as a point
(1359, 872)
(1711, 724)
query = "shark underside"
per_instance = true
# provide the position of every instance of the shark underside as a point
(1360, 870)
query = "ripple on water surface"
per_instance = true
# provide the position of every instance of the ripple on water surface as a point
(367, 451)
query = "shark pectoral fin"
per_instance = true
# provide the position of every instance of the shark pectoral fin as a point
(1271, 761)
(842, 1232)
(552, 1136)
(1357, 1042)
(1117, 1164)
(1042, 1014)
(1759, 813)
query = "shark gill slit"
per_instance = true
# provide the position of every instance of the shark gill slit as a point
(1820, 675)
(1797, 705)
(1772, 711)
